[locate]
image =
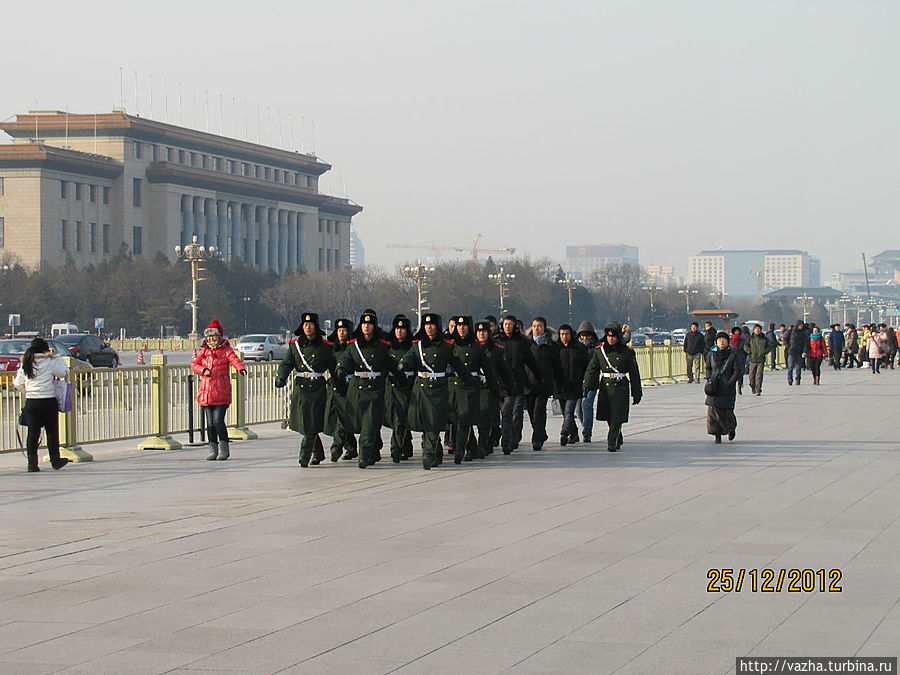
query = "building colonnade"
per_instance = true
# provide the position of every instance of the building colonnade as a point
(263, 237)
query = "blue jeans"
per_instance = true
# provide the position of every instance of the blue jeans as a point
(569, 406)
(586, 413)
(794, 363)
(215, 423)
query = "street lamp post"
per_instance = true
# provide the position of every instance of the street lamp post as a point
(687, 292)
(195, 254)
(502, 279)
(652, 289)
(719, 296)
(570, 283)
(844, 300)
(804, 299)
(859, 303)
(419, 273)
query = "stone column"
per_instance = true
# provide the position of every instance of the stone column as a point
(186, 219)
(222, 228)
(292, 241)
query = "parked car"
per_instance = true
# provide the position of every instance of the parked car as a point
(91, 349)
(659, 338)
(639, 339)
(262, 347)
(678, 336)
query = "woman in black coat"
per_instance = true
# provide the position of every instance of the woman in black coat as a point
(724, 366)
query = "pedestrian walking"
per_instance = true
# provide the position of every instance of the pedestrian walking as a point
(517, 350)
(430, 358)
(851, 347)
(739, 348)
(817, 352)
(891, 345)
(369, 360)
(772, 337)
(836, 346)
(796, 346)
(783, 335)
(573, 361)
(709, 339)
(539, 391)
(213, 364)
(338, 413)
(588, 337)
(491, 398)
(466, 396)
(40, 365)
(758, 348)
(312, 358)
(612, 371)
(720, 389)
(875, 352)
(397, 392)
(694, 346)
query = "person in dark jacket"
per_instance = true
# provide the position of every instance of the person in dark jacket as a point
(836, 346)
(892, 346)
(612, 371)
(517, 350)
(546, 353)
(490, 398)
(740, 349)
(338, 415)
(851, 347)
(724, 372)
(772, 337)
(694, 347)
(573, 360)
(709, 338)
(796, 347)
(588, 337)
(758, 348)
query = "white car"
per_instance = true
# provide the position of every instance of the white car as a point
(262, 347)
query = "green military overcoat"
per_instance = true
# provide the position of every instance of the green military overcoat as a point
(365, 392)
(613, 399)
(466, 398)
(308, 394)
(429, 400)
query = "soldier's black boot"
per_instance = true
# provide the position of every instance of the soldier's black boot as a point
(318, 452)
(563, 440)
(612, 439)
(337, 447)
(365, 457)
(573, 437)
(304, 459)
(350, 452)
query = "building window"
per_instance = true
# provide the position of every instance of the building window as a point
(337, 259)
(153, 153)
(321, 259)
(259, 171)
(62, 234)
(137, 240)
(106, 237)
(277, 175)
(320, 224)
(137, 149)
(92, 192)
(337, 228)
(136, 192)
(230, 166)
(2, 232)
(328, 225)
(62, 189)
(105, 195)
(92, 238)
(328, 264)
(170, 154)
(245, 169)
(78, 192)
(1, 186)
(77, 235)
(181, 156)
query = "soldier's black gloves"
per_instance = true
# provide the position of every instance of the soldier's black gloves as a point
(635, 399)
(340, 385)
(279, 383)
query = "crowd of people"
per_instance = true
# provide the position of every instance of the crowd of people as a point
(467, 388)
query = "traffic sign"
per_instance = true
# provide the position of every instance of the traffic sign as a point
(98, 323)
(15, 319)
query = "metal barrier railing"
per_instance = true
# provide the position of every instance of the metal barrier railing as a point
(152, 402)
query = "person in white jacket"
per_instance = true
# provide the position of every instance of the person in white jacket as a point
(40, 365)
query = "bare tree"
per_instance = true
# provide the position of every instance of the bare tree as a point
(617, 285)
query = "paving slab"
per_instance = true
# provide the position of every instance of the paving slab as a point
(567, 560)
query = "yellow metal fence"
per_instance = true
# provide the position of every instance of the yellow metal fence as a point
(151, 402)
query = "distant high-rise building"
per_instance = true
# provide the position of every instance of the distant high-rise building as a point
(583, 261)
(357, 250)
(664, 275)
(85, 187)
(747, 273)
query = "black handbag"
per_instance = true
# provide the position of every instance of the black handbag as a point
(711, 388)
(21, 421)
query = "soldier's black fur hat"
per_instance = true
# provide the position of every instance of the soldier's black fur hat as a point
(368, 316)
(311, 317)
(401, 321)
(431, 318)
(340, 323)
(483, 325)
(463, 320)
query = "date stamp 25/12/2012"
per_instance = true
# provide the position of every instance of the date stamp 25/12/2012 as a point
(767, 580)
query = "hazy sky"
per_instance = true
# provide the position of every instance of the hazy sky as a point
(673, 126)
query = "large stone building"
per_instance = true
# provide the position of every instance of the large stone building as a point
(747, 273)
(583, 261)
(86, 187)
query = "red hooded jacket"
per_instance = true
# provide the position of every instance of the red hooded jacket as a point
(215, 388)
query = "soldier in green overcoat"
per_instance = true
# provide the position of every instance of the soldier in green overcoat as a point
(466, 397)
(369, 361)
(613, 366)
(489, 412)
(397, 392)
(430, 358)
(310, 357)
(338, 415)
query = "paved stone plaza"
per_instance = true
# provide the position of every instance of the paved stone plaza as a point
(568, 560)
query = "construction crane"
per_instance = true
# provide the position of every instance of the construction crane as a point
(474, 250)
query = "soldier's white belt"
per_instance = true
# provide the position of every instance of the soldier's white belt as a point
(308, 375)
(614, 376)
(367, 374)
(479, 376)
(431, 376)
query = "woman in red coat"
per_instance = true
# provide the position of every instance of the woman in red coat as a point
(817, 352)
(214, 393)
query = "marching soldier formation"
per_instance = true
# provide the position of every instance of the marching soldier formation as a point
(472, 382)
